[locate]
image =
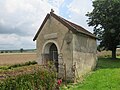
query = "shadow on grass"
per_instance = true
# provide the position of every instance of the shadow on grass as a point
(106, 63)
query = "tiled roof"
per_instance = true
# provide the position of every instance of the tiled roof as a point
(73, 27)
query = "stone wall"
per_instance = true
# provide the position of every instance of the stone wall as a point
(75, 50)
(55, 32)
(84, 54)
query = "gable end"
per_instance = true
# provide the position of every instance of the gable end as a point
(71, 26)
(47, 16)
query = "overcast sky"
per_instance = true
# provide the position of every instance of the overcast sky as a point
(20, 19)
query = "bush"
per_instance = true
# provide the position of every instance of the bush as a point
(38, 80)
(2, 51)
(24, 64)
(6, 51)
(18, 65)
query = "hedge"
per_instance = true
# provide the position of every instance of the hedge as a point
(42, 79)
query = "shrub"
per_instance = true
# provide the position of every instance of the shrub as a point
(24, 64)
(2, 51)
(38, 80)
(6, 51)
(18, 65)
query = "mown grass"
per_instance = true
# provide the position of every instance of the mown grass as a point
(105, 77)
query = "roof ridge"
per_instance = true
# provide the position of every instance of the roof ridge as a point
(69, 22)
(78, 28)
(72, 26)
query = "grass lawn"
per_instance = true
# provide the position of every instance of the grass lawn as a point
(105, 77)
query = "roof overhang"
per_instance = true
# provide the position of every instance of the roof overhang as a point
(71, 26)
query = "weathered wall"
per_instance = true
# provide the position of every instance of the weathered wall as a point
(73, 49)
(53, 27)
(84, 54)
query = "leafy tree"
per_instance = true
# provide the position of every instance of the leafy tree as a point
(2, 51)
(21, 50)
(105, 18)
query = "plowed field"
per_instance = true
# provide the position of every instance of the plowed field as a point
(15, 58)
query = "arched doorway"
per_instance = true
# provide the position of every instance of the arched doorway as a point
(51, 53)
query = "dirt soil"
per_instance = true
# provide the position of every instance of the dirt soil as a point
(15, 58)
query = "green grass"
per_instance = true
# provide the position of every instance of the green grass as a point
(105, 77)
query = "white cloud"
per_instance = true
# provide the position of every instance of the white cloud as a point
(9, 41)
(13, 41)
(78, 9)
(2, 21)
(81, 6)
(9, 37)
(73, 8)
(20, 20)
(56, 3)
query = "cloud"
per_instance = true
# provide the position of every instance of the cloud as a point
(20, 20)
(9, 41)
(13, 41)
(77, 10)
(12, 30)
(26, 15)
(56, 3)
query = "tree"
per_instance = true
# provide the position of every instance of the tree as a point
(21, 50)
(105, 18)
(2, 51)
